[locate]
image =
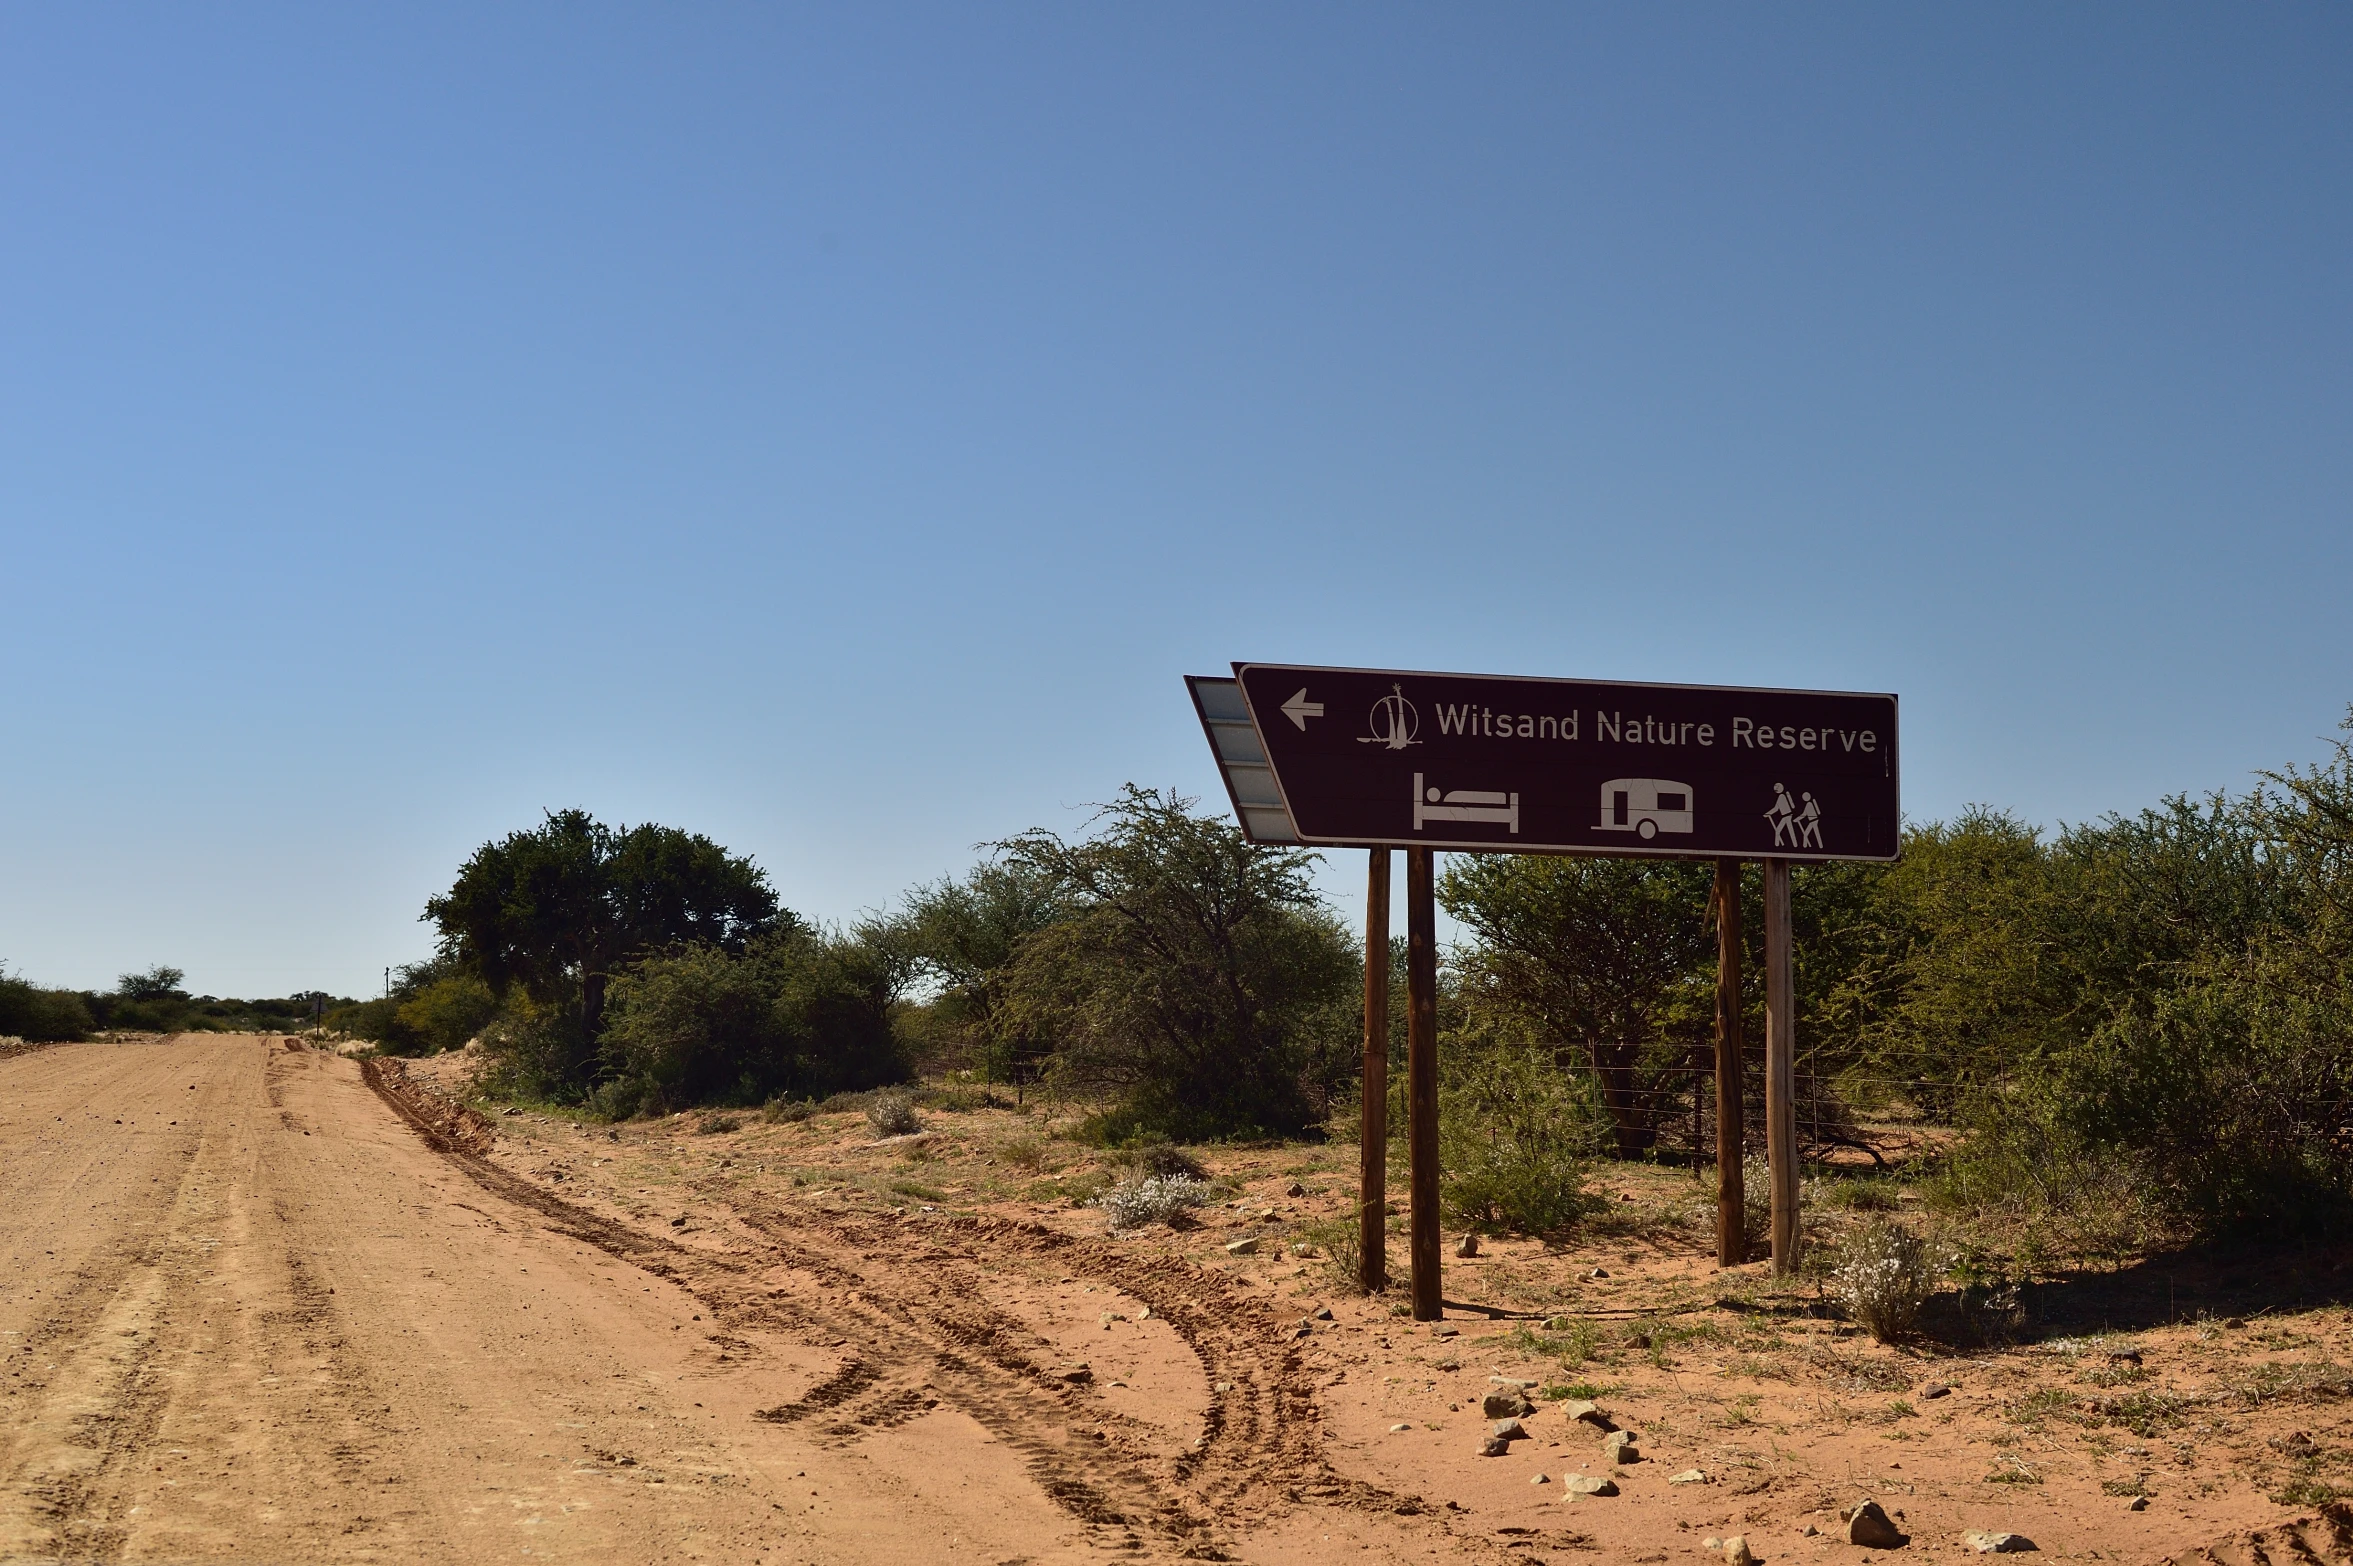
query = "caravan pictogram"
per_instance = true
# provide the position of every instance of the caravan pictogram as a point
(1645, 807)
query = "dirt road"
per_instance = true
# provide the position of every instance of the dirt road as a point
(253, 1313)
(264, 1303)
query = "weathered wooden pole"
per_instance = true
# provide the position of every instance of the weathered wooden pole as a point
(1731, 1109)
(1372, 1182)
(1780, 1067)
(1421, 1076)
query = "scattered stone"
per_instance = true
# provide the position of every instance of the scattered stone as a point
(1394, 1429)
(1448, 1363)
(678, 1222)
(1987, 1543)
(1689, 1476)
(1322, 1313)
(1225, 1386)
(1590, 1413)
(1468, 1247)
(1935, 1389)
(1809, 1531)
(1737, 1552)
(1494, 1446)
(2139, 1503)
(1618, 1447)
(1578, 1484)
(1711, 1542)
(1077, 1375)
(1516, 1383)
(1294, 1189)
(1508, 1430)
(1506, 1405)
(1598, 1272)
(510, 1112)
(1870, 1526)
(1302, 1332)
(1242, 1247)
(1541, 1479)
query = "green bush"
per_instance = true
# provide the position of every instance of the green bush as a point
(796, 1014)
(446, 1013)
(41, 1016)
(1514, 1133)
(1191, 977)
(540, 1053)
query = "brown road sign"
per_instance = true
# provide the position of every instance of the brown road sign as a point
(1507, 764)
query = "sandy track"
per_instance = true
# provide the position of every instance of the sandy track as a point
(253, 1314)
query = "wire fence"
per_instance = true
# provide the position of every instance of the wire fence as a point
(1668, 1111)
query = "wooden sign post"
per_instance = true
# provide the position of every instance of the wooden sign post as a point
(1421, 1076)
(1780, 1067)
(1372, 1185)
(1731, 1110)
(1507, 764)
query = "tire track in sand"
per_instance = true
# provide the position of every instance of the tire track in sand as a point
(1260, 1451)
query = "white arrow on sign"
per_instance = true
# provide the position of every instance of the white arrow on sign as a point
(1299, 709)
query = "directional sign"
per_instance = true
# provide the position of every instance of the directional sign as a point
(1374, 758)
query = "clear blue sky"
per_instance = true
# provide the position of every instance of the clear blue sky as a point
(835, 429)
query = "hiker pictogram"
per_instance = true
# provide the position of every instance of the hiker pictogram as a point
(1783, 814)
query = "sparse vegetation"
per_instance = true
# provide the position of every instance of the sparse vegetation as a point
(893, 1114)
(1153, 1199)
(1514, 1131)
(1883, 1275)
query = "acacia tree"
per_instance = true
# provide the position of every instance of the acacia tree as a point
(1192, 974)
(963, 935)
(558, 910)
(1591, 952)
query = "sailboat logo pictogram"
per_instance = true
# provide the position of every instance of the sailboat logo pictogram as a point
(1394, 722)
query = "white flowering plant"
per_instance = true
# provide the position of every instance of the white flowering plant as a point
(1884, 1275)
(1153, 1199)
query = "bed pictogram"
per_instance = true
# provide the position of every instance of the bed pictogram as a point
(1464, 804)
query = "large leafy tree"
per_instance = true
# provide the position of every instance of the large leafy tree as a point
(962, 935)
(1193, 973)
(558, 910)
(1592, 954)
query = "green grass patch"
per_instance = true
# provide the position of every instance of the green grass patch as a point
(2307, 1491)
